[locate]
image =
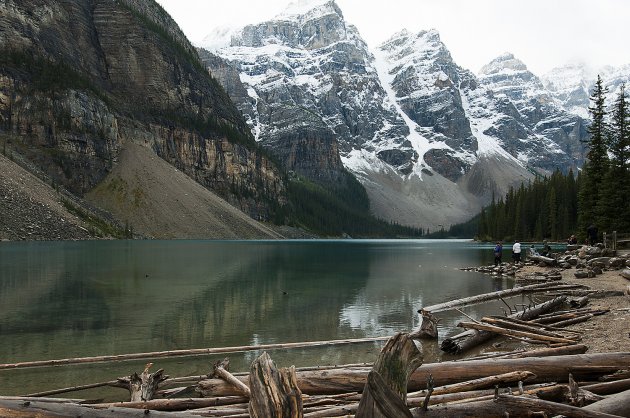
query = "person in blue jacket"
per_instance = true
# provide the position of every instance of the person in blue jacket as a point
(498, 253)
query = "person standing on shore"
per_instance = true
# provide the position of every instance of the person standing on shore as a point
(498, 253)
(591, 233)
(516, 252)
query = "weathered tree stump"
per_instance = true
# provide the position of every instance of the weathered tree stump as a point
(385, 393)
(142, 387)
(274, 393)
(428, 326)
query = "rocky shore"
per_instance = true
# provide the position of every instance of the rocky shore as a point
(599, 268)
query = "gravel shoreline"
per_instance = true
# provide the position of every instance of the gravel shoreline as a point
(604, 333)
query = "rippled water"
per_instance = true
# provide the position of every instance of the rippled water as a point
(68, 299)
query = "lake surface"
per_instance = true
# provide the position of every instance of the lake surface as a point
(75, 299)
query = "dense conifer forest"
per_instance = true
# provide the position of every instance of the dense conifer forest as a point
(557, 206)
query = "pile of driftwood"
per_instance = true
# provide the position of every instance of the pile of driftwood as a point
(396, 385)
(559, 379)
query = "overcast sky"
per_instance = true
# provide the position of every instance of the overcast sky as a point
(542, 33)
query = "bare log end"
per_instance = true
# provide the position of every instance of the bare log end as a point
(428, 326)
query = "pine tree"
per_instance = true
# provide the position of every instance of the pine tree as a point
(616, 182)
(597, 163)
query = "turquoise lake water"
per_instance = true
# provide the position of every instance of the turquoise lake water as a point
(73, 299)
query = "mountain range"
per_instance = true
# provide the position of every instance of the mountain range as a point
(429, 140)
(124, 120)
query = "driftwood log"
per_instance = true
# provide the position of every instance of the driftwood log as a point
(483, 382)
(514, 333)
(508, 405)
(548, 261)
(523, 327)
(607, 388)
(184, 353)
(472, 338)
(274, 393)
(617, 404)
(142, 387)
(546, 369)
(385, 393)
(41, 408)
(220, 370)
(428, 323)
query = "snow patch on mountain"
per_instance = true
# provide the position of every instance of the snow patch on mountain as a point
(221, 37)
(480, 122)
(305, 10)
(420, 144)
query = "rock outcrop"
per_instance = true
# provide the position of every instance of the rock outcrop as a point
(81, 78)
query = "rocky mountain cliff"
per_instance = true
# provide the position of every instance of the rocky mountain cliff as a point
(80, 78)
(429, 140)
(572, 84)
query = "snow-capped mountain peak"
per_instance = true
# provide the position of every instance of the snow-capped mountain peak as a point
(304, 10)
(429, 140)
(504, 63)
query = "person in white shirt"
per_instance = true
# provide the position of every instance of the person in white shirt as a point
(516, 252)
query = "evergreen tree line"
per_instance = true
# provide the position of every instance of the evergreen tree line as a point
(558, 206)
(546, 208)
(605, 187)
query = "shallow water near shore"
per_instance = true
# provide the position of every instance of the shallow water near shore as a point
(76, 299)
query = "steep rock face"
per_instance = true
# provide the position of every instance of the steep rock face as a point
(426, 84)
(572, 84)
(429, 140)
(309, 79)
(425, 79)
(80, 78)
(546, 124)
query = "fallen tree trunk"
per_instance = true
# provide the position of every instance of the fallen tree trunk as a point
(546, 369)
(42, 409)
(521, 327)
(514, 333)
(472, 338)
(540, 352)
(556, 351)
(184, 353)
(471, 300)
(552, 408)
(607, 388)
(502, 409)
(112, 383)
(618, 404)
(572, 321)
(482, 382)
(176, 404)
(508, 405)
(428, 323)
(220, 371)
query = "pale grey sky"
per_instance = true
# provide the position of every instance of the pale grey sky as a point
(542, 33)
